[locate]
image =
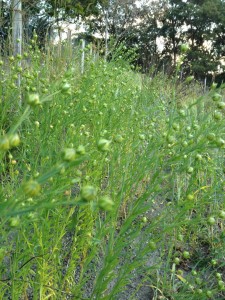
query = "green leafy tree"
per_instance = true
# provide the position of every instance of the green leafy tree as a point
(201, 25)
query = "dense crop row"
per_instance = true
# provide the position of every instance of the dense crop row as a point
(111, 183)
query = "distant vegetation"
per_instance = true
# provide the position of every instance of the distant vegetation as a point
(200, 24)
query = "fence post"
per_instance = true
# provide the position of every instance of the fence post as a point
(69, 46)
(82, 55)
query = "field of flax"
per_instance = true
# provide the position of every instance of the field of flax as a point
(112, 184)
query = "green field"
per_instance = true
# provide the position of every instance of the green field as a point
(112, 183)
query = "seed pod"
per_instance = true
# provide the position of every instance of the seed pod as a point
(198, 280)
(142, 137)
(37, 124)
(220, 142)
(189, 79)
(33, 99)
(176, 126)
(81, 150)
(211, 136)
(4, 143)
(217, 115)
(176, 260)
(209, 294)
(222, 214)
(221, 284)
(152, 245)
(186, 254)
(14, 140)
(190, 170)
(69, 154)
(118, 138)
(104, 145)
(88, 193)
(221, 105)
(199, 291)
(198, 156)
(65, 88)
(106, 203)
(190, 197)
(171, 139)
(216, 97)
(218, 275)
(32, 188)
(214, 262)
(211, 221)
(144, 220)
(14, 221)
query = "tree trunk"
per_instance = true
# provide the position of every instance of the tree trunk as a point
(106, 33)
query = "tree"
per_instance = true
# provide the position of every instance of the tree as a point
(201, 25)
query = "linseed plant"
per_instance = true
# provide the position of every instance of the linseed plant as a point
(112, 184)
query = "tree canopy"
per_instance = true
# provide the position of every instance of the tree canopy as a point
(199, 23)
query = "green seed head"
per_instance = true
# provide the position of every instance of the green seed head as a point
(144, 220)
(104, 145)
(214, 262)
(88, 193)
(211, 221)
(217, 115)
(190, 170)
(186, 254)
(221, 105)
(211, 136)
(209, 294)
(171, 139)
(152, 245)
(4, 143)
(81, 150)
(69, 154)
(222, 214)
(213, 86)
(106, 203)
(176, 126)
(180, 237)
(199, 291)
(142, 137)
(32, 188)
(198, 156)
(221, 284)
(33, 99)
(190, 197)
(14, 140)
(118, 138)
(218, 275)
(14, 221)
(198, 280)
(189, 79)
(176, 260)
(216, 97)
(65, 88)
